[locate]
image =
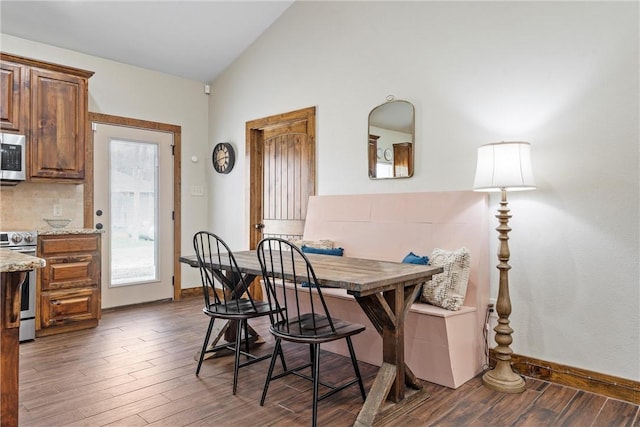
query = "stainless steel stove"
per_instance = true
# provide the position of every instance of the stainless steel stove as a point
(25, 242)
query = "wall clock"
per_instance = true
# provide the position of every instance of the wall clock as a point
(387, 154)
(223, 158)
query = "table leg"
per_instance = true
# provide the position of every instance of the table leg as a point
(387, 312)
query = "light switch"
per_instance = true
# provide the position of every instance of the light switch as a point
(197, 190)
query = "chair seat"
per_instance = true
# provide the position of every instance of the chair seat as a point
(302, 329)
(242, 310)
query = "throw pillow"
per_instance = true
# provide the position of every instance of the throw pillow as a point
(448, 289)
(412, 258)
(322, 251)
(320, 244)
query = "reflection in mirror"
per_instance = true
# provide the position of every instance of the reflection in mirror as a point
(391, 139)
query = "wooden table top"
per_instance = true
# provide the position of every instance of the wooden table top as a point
(358, 276)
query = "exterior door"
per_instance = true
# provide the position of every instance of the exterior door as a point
(133, 197)
(281, 152)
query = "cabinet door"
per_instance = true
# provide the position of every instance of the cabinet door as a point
(12, 97)
(58, 122)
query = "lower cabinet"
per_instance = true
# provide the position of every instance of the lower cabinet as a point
(68, 291)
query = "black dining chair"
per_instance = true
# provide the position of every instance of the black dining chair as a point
(231, 302)
(290, 282)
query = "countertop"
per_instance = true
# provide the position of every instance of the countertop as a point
(16, 261)
(62, 231)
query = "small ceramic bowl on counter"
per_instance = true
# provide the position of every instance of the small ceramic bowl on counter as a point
(57, 222)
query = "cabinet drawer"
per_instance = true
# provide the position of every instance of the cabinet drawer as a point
(72, 271)
(51, 245)
(68, 307)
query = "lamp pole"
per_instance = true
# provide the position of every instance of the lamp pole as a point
(502, 378)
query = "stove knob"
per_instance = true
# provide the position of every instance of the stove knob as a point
(16, 238)
(28, 237)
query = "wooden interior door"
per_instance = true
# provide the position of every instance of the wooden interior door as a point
(402, 155)
(282, 173)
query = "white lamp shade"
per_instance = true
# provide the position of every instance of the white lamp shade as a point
(504, 166)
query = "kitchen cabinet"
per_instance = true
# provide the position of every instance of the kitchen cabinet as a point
(68, 288)
(13, 99)
(48, 103)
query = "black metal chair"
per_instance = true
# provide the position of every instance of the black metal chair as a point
(284, 265)
(231, 302)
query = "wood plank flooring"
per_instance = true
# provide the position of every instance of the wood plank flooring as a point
(138, 368)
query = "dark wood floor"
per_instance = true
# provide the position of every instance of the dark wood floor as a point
(137, 368)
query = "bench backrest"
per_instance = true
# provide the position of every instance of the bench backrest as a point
(388, 226)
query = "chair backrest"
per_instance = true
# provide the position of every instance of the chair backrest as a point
(217, 264)
(289, 278)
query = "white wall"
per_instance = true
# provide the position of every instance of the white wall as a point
(123, 90)
(563, 76)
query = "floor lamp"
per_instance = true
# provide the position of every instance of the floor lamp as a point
(503, 166)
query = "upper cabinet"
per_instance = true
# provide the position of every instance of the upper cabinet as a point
(58, 122)
(13, 90)
(55, 101)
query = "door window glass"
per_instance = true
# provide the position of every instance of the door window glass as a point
(134, 211)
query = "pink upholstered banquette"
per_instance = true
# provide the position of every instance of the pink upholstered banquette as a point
(441, 346)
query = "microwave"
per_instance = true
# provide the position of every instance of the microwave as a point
(12, 158)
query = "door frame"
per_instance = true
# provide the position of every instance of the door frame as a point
(177, 174)
(253, 159)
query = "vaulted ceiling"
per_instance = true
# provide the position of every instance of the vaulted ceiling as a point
(196, 40)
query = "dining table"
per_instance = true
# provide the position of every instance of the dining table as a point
(384, 291)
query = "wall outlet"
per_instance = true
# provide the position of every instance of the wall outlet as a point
(492, 322)
(57, 210)
(494, 313)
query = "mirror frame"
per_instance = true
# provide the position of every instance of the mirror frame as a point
(399, 149)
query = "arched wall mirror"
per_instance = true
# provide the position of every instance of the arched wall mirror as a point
(391, 140)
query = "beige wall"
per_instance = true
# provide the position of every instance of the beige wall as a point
(123, 90)
(561, 75)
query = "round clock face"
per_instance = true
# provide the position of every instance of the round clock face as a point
(387, 154)
(223, 157)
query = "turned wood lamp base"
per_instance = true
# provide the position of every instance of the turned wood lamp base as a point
(503, 380)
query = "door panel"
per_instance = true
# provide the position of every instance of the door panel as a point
(133, 191)
(281, 165)
(284, 191)
(281, 151)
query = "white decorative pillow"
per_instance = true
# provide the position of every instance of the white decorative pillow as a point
(448, 289)
(317, 244)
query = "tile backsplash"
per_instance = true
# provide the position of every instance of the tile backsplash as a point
(23, 206)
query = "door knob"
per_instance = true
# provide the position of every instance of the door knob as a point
(259, 226)
(99, 212)
(99, 226)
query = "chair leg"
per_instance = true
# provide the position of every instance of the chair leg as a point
(316, 381)
(246, 336)
(284, 364)
(276, 350)
(236, 362)
(204, 345)
(355, 367)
